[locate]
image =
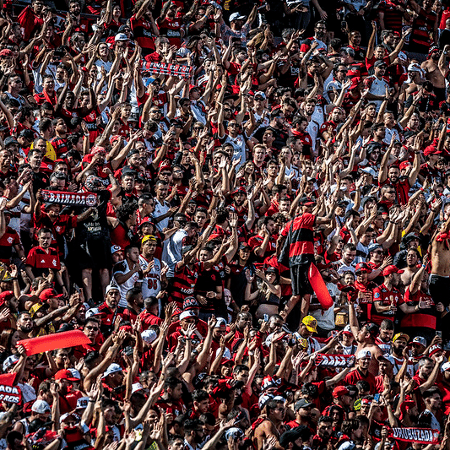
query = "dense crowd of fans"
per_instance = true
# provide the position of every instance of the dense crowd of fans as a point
(192, 184)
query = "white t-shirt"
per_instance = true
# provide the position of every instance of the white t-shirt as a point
(160, 210)
(123, 268)
(151, 284)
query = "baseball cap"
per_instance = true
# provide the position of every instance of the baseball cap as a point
(340, 390)
(404, 164)
(370, 171)
(445, 366)
(5, 296)
(111, 287)
(115, 249)
(233, 17)
(431, 150)
(221, 322)
(364, 353)
(305, 201)
(49, 293)
(434, 349)
(10, 140)
(260, 94)
(243, 245)
(311, 323)
(380, 63)
(67, 415)
(92, 312)
(400, 335)
(136, 387)
(373, 247)
(391, 269)
(121, 37)
(6, 52)
(292, 435)
(187, 314)
(82, 403)
(75, 374)
(112, 368)
(302, 403)
(10, 361)
(387, 358)
(420, 340)
(65, 374)
(347, 330)
(41, 407)
(149, 336)
(363, 267)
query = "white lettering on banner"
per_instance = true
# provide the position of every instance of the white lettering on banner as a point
(418, 435)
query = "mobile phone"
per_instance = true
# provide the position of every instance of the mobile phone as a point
(76, 287)
(343, 24)
(438, 333)
(266, 318)
(376, 397)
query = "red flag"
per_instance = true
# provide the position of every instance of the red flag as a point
(7, 379)
(319, 286)
(50, 342)
(8, 392)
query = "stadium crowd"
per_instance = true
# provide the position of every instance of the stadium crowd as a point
(241, 208)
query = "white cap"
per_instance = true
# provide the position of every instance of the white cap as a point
(92, 312)
(9, 361)
(388, 358)
(112, 368)
(236, 16)
(82, 402)
(187, 314)
(364, 353)
(41, 407)
(75, 373)
(136, 387)
(121, 37)
(370, 171)
(221, 322)
(420, 340)
(260, 94)
(149, 336)
(445, 366)
(65, 416)
(110, 287)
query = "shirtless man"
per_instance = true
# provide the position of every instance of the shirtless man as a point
(434, 74)
(271, 425)
(365, 338)
(412, 259)
(440, 265)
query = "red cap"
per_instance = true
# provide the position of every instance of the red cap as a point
(226, 361)
(49, 293)
(355, 82)
(403, 165)
(65, 374)
(340, 390)
(5, 296)
(6, 52)
(391, 269)
(431, 150)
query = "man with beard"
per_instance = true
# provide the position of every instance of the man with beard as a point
(171, 402)
(391, 175)
(427, 373)
(399, 343)
(384, 340)
(302, 409)
(193, 434)
(109, 309)
(361, 372)
(324, 430)
(294, 439)
(362, 292)
(153, 270)
(24, 325)
(387, 296)
(269, 423)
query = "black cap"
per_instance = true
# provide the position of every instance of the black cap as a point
(10, 140)
(27, 134)
(302, 403)
(292, 435)
(373, 328)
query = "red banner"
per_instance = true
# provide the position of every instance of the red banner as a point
(174, 70)
(50, 342)
(420, 435)
(69, 198)
(319, 287)
(8, 392)
(325, 360)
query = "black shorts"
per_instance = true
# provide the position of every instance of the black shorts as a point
(439, 289)
(299, 280)
(93, 254)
